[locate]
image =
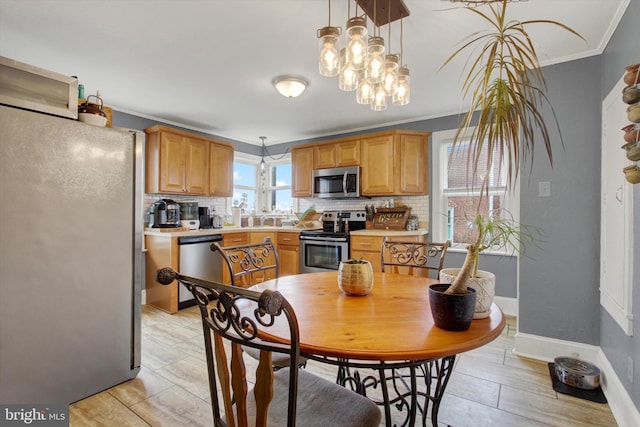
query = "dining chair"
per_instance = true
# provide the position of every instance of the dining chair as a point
(248, 265)
(414, 258)
(233, 318)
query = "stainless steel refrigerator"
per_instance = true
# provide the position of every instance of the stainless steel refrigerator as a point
(70, 257)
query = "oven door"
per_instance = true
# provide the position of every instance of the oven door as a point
(321, 255)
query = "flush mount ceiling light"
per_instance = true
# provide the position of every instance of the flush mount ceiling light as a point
(363, 64)
(290, 86)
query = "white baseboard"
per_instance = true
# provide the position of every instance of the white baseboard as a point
(619, 400)
(546, 349)
(509, 306)
(144, 297)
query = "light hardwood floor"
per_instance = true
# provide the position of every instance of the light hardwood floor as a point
(489, 386)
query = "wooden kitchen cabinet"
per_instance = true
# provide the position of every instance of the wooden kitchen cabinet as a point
(412, 164)
(289, 252)
(161, 252)
(301, 169)
(221, 166)
(177, 162)
(395, 163)
(369, 247)
(339, 154)
(378, 166)
(232, 239)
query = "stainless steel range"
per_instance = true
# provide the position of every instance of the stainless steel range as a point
(323, 250)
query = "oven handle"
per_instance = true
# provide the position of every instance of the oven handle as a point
(324, 239)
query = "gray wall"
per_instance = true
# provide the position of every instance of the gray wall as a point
(559, 281)
(623, 50)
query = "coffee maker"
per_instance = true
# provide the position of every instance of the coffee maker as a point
(164, 213)
(204, 214)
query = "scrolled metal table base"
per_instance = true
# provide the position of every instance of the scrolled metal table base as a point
(403, 385)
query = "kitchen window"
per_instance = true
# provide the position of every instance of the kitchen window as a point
(456, 193)
(244, 185)
(262, 191)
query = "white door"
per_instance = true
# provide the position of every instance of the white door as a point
(616, 229)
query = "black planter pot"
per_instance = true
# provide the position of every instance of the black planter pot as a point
(451, 312)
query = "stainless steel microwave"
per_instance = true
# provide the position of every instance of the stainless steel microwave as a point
(337, 183)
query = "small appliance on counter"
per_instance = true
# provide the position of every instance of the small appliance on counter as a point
(164, 213)
(204, 215)
(217, 221)
(189, 216)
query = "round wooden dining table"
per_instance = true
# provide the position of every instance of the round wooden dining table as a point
(390, 328)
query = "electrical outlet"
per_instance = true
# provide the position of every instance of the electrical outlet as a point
(630, 368)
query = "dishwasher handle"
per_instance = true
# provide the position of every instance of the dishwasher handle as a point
(191, 240)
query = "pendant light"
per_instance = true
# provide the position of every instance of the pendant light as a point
(328, 60)
(356, 53)
(379, 101)
(348, 77)
(390, 77)
(403, 90)
(375, 63)
(362, 65)
(390, 74)
(364, 93)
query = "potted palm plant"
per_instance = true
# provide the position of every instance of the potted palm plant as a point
(492, 231)
(506, 89)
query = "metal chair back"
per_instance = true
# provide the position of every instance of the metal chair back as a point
(250, 264)
(234, 317)
(414, 258)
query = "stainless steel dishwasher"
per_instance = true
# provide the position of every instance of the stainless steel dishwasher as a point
(198, 260)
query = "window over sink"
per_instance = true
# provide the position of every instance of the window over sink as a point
(261, 191)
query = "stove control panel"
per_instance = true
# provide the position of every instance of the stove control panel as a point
(358, 216)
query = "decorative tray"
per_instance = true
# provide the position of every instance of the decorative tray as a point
(391, 218)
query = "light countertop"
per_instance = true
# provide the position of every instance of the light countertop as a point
(234, 229)
(223, 230)
(379, 232)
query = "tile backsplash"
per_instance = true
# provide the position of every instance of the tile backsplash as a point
(222, 205)
(419, 204)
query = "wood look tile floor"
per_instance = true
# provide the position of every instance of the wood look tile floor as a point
(490, 386)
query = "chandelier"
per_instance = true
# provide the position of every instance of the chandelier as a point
(362, 64)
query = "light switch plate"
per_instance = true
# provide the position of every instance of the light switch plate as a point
(544, 189)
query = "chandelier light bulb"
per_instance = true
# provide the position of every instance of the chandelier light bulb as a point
(375, 62)
(356, 53)
(347, 78)
(328, 46)
(390, 77)
(403, 92)
(379, 102)
(364, 93)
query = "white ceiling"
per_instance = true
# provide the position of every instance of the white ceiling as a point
(208, 64)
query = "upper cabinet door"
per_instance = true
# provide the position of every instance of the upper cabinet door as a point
(221, 164)
(324, 156)
(348, 153)
(412, 165)
(339, 154)
(377, 166)
(171, 173)
(302, 166)
(196, 166)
